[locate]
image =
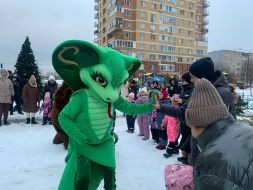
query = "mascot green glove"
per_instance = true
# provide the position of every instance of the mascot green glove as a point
(96, 75)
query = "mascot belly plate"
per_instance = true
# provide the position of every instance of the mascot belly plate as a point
(96, 75)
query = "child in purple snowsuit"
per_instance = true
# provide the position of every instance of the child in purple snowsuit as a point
(46, 108)
(143, 119)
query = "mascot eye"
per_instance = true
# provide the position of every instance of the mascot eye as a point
(99, 79)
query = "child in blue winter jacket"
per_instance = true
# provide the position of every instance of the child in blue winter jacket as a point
(130, 118)
(46, 108)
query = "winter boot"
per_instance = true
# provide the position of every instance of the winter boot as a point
(145, 138)
(160, 147)
(33, 121)
(181, 159)
(6, 123)
(0, 123)
(57, 139)
(176, 151)
(11, 113)
(167, 155)
(21, 113)
(28, 120)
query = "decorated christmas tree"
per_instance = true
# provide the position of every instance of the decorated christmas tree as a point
(26, 66)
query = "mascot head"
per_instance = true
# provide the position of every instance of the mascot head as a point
(101, 70)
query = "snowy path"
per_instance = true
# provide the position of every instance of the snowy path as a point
(29, 160)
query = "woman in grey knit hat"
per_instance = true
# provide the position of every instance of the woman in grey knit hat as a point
(226, 147)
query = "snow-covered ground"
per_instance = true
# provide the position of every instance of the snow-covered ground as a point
(29, 160)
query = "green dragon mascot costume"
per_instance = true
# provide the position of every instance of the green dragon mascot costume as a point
(96, 75)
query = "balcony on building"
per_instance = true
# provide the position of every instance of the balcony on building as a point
(96, 16)
(96, 32)
(205, 39)
(204, 30)
(206, 12)
(95, 40)
(95, 1)
(96, 7)
(115, 28)
(96, 24)
(205, 21)
(206, 3)
(119, 2)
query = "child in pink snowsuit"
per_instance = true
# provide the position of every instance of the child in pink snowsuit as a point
(143, 119)
(172, 132)
(46, 108)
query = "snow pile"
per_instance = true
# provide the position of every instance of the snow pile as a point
(29, 160)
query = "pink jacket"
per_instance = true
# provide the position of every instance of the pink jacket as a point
(172, 130)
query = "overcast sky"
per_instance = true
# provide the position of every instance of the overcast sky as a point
(50, 22)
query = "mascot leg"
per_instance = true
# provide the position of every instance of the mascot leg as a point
(109, 178)
(83, 173)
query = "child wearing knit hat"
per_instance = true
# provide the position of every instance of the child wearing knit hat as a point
(46, 108)
(163, 138)
(130, 118)
(143, 119)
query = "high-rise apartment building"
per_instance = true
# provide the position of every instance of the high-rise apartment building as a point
(168, 35)
(235, 62)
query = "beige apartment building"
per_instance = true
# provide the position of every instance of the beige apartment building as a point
(168, 35)
(232, 61)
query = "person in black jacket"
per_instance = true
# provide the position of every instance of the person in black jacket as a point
(51, 87)
(202, 68)
(174, 88)
(17, 98)
(226, 147)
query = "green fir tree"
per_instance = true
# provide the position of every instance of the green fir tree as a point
(26, 66)
(241, 105)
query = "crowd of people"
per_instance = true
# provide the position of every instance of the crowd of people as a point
(26, 99)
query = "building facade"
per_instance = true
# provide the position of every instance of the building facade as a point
(167, 35)
(235, 62)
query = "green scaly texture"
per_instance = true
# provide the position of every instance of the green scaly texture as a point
(75, 121)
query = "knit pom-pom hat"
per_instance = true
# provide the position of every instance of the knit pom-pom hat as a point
(205, 106)
(165, 93)
(131, 95)
(47, 97)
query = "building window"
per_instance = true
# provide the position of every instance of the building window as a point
(180, 50)
(152, 37)
(127, 24)
(180, 59)
(180, 68)
(152, 27)
(141, 56)
(198, 9)
(191, 5)
(190, 33)
(189, 42)
(182, 2)
(143, 4)
(142, 46)
(127, 2)
(181, 41)
(143, 14)
(198, 17)
(153, 6)
(181, 12)
(182, 22)
(152, 47)
(152, 57)
(197, 26)
(189, 51)
(181, 31)
(196, 35)
(153, 17)
(127, 35)
(142, 36)
(190, 23)
(127, 13)
(152, 67)
(190, 14)
(142, 25)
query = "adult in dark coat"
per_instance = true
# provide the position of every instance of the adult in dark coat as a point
(156, 85)
(134, 88)
(62, 97)
(204, 65)
(51, 87)
(31, 99)
(174, 88)
(226, 147)
(17, 97)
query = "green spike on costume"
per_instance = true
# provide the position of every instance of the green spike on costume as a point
(96, 74)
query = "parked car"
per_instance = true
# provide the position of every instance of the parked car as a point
(240, 86)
